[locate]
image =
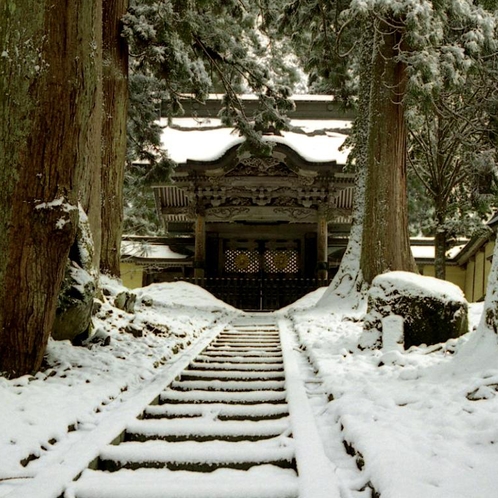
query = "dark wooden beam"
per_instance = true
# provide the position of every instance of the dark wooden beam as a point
(312, 107)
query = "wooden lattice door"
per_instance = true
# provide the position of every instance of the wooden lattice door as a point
(266, 272)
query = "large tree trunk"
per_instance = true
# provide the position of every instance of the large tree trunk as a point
(348, 282)
(90, 192)
(115, 86)
(47, 84)
(386, 242)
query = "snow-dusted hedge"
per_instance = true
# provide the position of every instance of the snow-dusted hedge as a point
(432, 310)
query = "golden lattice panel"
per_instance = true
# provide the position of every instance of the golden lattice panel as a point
(281, 261)
(241, 261)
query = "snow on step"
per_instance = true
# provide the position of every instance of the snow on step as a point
(238, 353)
(244, 349)
(215, 410)
(229, 385)
(195, 365)
(222, 397)
(208, 428)
(251, 334)
(239, 359)
(246, 345)
(270, 341)
(212, 453)
(264, 481)
(231, 374)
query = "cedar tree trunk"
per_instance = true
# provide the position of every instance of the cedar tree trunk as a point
(115, 87)
(386, 242)
(348, 281)
(47, 84)
(90, 181)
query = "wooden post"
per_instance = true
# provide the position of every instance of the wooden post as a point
(322, 248)
(200, 246)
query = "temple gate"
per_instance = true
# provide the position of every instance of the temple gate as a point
(259, 228)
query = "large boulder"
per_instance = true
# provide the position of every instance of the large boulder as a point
(73, 319)
(431, 310)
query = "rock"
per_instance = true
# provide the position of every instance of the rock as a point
(125, 301)
(101, 337)
(134, 330)
(392, 333)
(432, 310)
(75, 302)
(147, 301)
(97, 306)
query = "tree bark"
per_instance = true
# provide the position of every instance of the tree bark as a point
(348, 281)
(115, 90)
(47, 85)
(386, 241)
(90, 191)
(440, 244)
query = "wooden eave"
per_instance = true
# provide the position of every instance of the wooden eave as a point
(323, 107)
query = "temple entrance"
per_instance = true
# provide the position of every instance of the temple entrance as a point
(259, 294)
(259, 275)
(259, 228)
(266, 269)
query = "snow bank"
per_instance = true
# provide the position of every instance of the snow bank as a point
(426, 427)
(411, 284)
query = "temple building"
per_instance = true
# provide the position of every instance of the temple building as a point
(261, 232)
(258, 232)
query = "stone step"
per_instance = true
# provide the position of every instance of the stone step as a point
(256, 348)
(244, 397)
(200, 429)
(229, 366)
(264, 481)
(228, 385)
(208, 358)
(249, 345)
(248, 354)
(248, 340)
(198, 457)
(220, 411)
(240, 375)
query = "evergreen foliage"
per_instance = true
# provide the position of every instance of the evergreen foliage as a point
(196, 48)
(448, 49)
(449, 120)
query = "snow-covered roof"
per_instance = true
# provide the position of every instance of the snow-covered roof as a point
(147, 250)
(208, 140)
(155, 250)
(423, 248)
(298, 97)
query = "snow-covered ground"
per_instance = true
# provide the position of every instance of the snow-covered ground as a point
(78, 386)
(421, 424)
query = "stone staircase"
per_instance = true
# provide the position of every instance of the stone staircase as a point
(220, 430)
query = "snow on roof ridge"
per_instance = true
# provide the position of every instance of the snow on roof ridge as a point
(210, 145)
(252, 96)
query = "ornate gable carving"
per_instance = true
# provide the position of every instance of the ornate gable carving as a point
(261, 166)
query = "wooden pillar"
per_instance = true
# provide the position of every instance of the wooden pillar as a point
(200, 246)
(322, 248)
